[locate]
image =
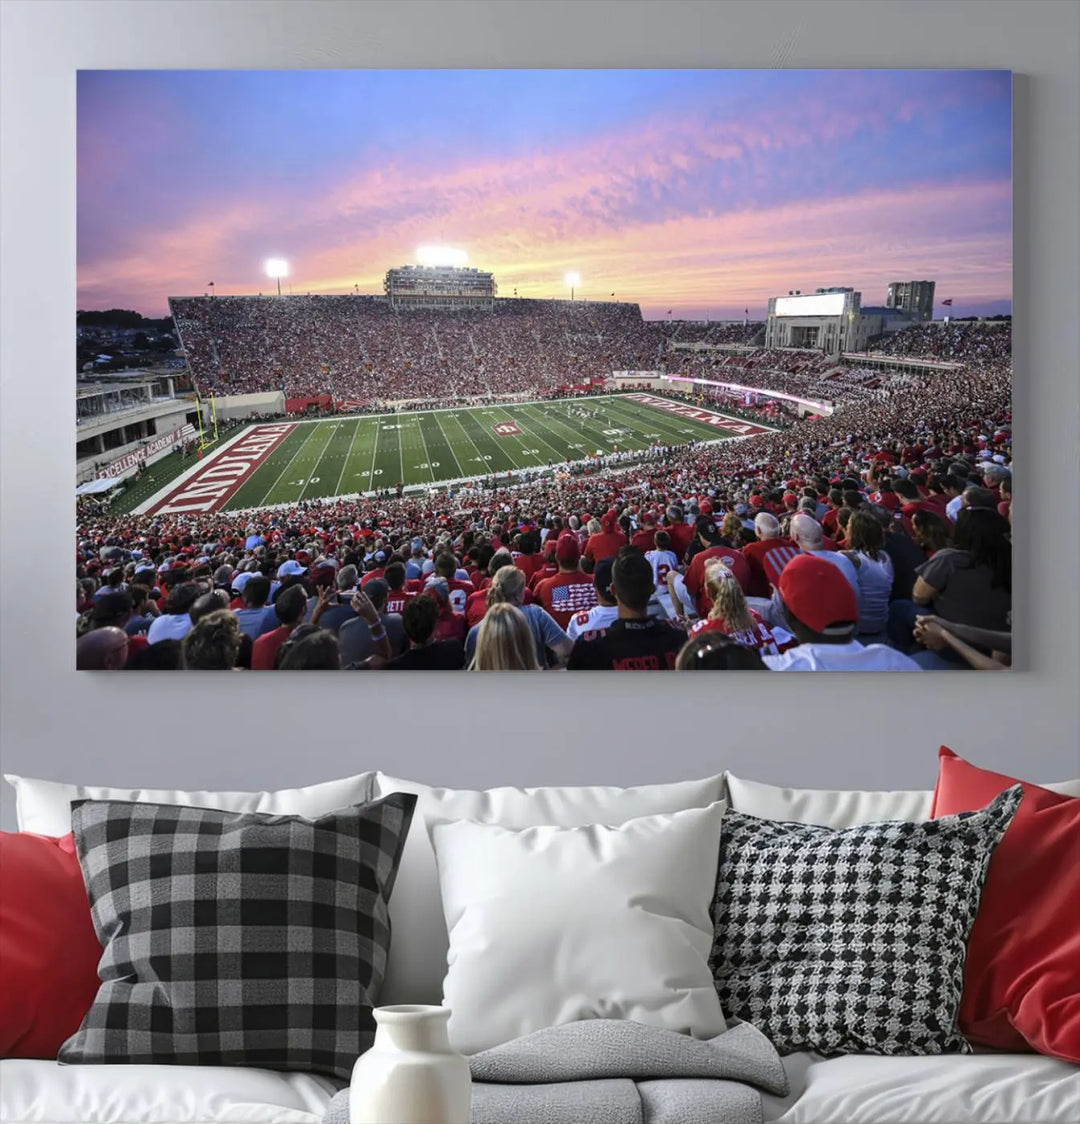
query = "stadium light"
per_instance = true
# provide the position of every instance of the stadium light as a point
(573, 280)
(277, 268)
(441, 255)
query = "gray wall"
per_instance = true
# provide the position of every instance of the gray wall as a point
(254, 731)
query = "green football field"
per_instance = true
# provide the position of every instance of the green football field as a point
(345, 456)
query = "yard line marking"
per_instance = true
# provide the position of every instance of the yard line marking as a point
(374, 452)
(292, 461)
(580, 431)
(427, 454)
(449, 443)
(314, 467)
(348, 457)
(562, 454)
(668, 435)
(483, 470)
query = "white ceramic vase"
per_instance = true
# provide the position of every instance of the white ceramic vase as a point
(411, 1075)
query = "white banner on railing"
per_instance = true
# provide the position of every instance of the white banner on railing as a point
(159, 444)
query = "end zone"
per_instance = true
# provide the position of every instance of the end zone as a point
(707, 417)
(209, 486)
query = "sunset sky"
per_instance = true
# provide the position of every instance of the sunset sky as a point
(701, 191)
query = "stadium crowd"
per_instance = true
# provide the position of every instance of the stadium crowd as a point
(967, 341)
(876, 538)
(359, 348)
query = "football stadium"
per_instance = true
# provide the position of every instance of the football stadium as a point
(389, 455)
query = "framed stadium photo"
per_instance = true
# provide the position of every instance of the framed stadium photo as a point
(545, 370)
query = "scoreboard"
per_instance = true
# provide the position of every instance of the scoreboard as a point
(817, 304)
(439, 286)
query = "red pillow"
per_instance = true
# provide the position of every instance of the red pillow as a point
(1022, 976)
(48, 950)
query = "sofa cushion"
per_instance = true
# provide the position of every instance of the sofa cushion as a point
(839, 808)
(835, 808)
(44, 807)
(951, 1089)
(551, 925)
(48, 949)
(851, 941)
(42, 1092)
(236, 939)
(418, 950)
(1022, 978)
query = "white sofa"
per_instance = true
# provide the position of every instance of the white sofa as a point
(980, 1088)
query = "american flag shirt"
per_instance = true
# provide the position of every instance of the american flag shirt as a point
(566, 594)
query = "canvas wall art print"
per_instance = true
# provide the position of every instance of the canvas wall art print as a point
(544, 370)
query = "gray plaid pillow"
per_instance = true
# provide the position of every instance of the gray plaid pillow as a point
(237, 938)
(852, 941)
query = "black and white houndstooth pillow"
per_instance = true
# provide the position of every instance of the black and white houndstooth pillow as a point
(237, 939)
(851, 941)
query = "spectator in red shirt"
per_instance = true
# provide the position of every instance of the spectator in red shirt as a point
(768, 556)
(608, 542)
(695, 572)
(289, 608)
(549, 568)
(398, 597)
(528, 560)
(446, 568)
(829, 519)
(476, 605)
(570, 591)
(645, 538)
(730, 614)
(449, 625)
(376, 571)
(1006, 497)
(680, 532)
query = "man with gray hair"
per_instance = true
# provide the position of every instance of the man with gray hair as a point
(768, 556)
(807, 534)
(993, 474)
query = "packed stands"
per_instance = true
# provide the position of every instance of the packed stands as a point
(358, 348)
(947, 441)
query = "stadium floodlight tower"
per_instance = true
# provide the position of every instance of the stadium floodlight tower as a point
(276, 268)
(573, 280)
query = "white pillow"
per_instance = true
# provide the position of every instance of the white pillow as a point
(839, 808)
(418, 944)
(554, 924)
(835, 808)
(44, 807)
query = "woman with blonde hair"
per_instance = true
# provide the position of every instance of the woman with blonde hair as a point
(504, 641)
(731, 527)
(730, 613)
(508, 588)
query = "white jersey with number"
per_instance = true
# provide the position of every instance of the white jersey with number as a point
(592, 620)
(662, 563)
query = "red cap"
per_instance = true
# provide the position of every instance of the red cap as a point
(757, 501)
(609, 520)
(567, 549)
(705, 507)
(817, 593)
(790, 499)
(304, 557)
